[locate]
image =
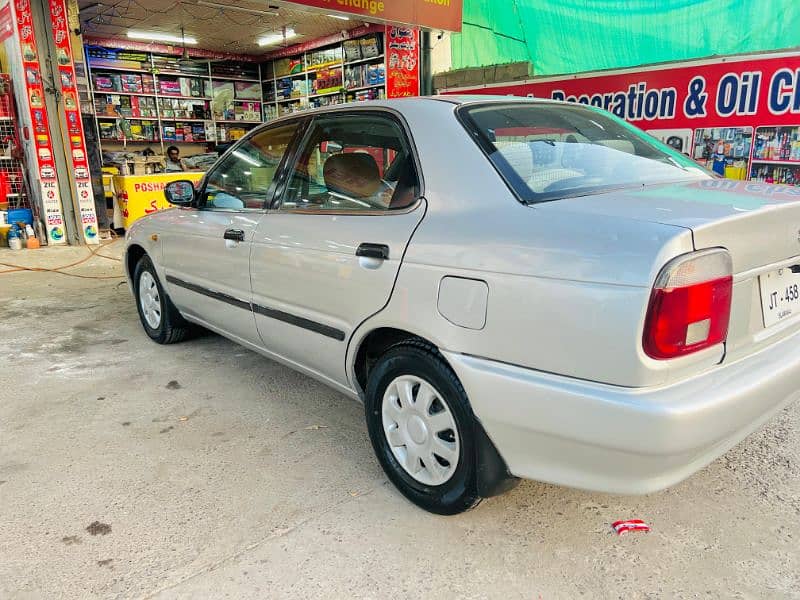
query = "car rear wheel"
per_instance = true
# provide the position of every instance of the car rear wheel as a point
(161, 320)
(422, 428)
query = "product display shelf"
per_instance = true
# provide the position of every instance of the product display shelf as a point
(364, 60)
(344, 69)
(775, 162)
(160, 68)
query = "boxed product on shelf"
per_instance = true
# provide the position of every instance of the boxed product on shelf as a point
(247, 111)
(327, 80)
(289, 66)
(352, 50)
(108, 130)
(376, 74)
(103, 83)
(169, 133)
(131, 83)
(169, 87)
(325, 57)
(284, 87)
(370, 46)
(246, 90)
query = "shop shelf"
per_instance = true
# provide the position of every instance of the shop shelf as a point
(293, 99)
(184, 97)
(6, 119)
(122, 141)
(333, 65)
(766, 161)
(181, 74)
(237, 122)
(113, 93)
(184, 120)
(117, 118)
(303, 74)
(101, 68)
(228, 78)
(365, 87)
(364, 60)
(7, 158)
(327, 94)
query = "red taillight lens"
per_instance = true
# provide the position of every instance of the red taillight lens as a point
(690, 306)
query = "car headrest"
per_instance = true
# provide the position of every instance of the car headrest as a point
(353, 174)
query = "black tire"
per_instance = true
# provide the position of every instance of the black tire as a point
(418, 359)
(172, 327)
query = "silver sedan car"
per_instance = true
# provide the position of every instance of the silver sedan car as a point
(513, 288)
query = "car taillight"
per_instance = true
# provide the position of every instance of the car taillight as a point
(690, 306)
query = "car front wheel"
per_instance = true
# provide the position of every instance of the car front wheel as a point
(422, 428)
(161, 320)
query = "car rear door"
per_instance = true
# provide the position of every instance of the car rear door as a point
(207, 249)
(327, 255)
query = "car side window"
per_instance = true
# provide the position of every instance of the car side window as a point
(240, 181)
(353, 162)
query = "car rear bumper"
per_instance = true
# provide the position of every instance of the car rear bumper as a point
(625, 440)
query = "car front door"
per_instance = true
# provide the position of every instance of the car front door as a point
(206, 249)
(326, 256)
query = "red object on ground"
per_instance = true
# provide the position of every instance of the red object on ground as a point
(630, 525)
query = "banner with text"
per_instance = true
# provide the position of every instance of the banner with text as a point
(737, 91)
(77, 142)
(430, 14)
(45, 167)
(402, 62)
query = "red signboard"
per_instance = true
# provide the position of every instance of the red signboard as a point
(45, 166)
(739, 115)
(402, 62)
(77, 143)
(6, 23)
(735, 91)
(430, 14)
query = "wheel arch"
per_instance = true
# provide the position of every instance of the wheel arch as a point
(493, 475)
(133, 255)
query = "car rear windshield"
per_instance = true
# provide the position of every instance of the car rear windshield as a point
(550, 151)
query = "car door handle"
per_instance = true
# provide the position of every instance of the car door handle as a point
(379, 251)
(237, 235)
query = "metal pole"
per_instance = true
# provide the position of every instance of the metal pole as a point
(427, 74)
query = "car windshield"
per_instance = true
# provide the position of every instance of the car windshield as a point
(551, 151)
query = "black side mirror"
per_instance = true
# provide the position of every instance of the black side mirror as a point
(180, 193)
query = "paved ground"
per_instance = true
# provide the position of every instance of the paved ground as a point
(130, 470)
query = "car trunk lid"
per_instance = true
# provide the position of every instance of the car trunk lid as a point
(759, 224)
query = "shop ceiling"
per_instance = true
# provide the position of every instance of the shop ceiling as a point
(217, 25)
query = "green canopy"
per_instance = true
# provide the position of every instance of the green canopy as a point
(571, 36)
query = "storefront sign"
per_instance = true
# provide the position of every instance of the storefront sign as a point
(752, 90)
(6, 23)
(402, 62)
(77, 143)
(738, 115)
(430, 14)
(34, 91)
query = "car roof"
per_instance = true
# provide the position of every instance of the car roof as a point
(400, 103)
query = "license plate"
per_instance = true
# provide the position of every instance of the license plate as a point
(780, 295)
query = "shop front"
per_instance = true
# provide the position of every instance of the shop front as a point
(738, 116)
(113, 112)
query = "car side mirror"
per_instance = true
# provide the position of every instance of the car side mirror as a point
(180, 193)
